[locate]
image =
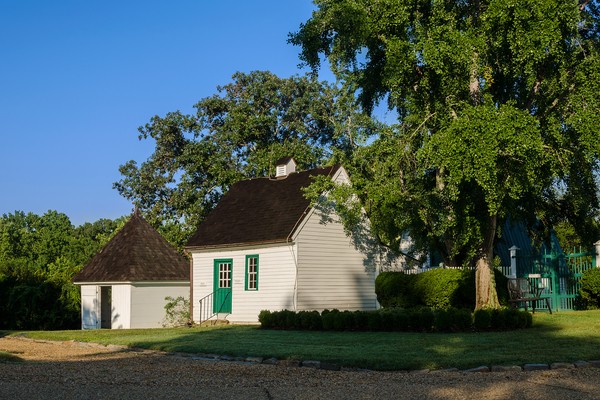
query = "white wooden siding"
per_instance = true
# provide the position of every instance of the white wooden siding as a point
(148, 302)
(121, 306)
(333, 272)
(276, 280)
(90, 307)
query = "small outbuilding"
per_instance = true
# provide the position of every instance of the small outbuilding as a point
(265, 247)
(124, 286)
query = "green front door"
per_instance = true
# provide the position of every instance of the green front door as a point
(222, 286)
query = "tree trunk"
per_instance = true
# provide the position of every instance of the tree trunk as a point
(485, 283)
(474, 88)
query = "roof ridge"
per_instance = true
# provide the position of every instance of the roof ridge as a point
(258, 210)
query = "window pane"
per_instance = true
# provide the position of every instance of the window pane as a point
(252, 273)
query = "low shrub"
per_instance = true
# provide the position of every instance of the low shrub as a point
(177, 312)
(418, 319)
(421, 319)
(374, 321)
(387, 320)
(328, 318)
(266, 319)
(438, 289)
(401, 321)
(590, 289)
(443, 288)
(343, 321)
(310, 320)
(452, 320)
(482, 319)
(499, 319)
(287, 320)
(361, 320)
(394, 289)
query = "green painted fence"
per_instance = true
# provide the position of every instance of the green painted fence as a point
(556, 275)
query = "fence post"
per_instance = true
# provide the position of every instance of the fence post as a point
(597, 245)
(513, 261)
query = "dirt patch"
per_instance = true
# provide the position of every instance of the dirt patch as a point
(80, 370)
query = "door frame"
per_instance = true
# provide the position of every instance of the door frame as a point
(106, 306)
(222, 297)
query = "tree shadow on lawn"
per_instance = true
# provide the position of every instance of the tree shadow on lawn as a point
(547, 342)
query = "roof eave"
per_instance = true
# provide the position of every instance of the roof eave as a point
(105, 283)
(240, 244)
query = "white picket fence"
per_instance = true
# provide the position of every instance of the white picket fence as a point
(413, 271)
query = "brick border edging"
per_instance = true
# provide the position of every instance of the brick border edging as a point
(336, 367)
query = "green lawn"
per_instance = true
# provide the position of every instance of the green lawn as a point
(561, 337)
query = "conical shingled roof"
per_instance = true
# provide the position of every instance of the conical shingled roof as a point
(136, 253)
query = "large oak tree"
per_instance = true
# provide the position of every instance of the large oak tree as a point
(499, 115)
(238, 133)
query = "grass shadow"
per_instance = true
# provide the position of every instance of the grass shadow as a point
(9, 358)
(561, 337)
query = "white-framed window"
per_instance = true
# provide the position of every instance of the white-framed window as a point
(252, 272)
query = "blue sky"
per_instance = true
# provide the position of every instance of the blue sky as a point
(77, 78)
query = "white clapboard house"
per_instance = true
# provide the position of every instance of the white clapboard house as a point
(264, 247)
(125, 284)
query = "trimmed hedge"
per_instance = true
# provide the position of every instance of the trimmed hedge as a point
(419, 319)
(590, 289)
(438, 288)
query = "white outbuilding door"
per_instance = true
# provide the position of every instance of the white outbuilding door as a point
(90, 307)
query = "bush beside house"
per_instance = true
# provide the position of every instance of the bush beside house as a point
(439, 300)
(438, 288)
(590, 289)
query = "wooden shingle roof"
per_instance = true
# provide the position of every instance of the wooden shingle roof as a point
(136, 253)
(256, 211)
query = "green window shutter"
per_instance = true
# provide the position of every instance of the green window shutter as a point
(251, 272)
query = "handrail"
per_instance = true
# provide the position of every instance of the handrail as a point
(207, 309)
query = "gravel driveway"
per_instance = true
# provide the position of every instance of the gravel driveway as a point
(70, 370)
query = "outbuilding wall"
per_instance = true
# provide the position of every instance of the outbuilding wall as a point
(133, 305)
(148, 302)
(121, 307)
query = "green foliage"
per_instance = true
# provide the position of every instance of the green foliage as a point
(423, 319)
(39, 255)
(482, 319)
(590, 288)
(177, 312)
(417, 319)
(266, 319)
(438, 288)
(501, 319)
(394, 289)
(328, 319)
(491, 126)
(442, 288)
(238, 133)
(310, 320)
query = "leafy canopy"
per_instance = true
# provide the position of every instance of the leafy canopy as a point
(499, 108)
(498, 105)
(39, 255)
(235, 134)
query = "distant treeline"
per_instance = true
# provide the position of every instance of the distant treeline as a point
(39, 255)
